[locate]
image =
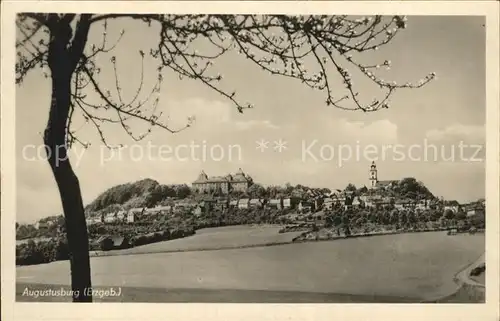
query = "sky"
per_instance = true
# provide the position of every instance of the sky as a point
(447, 113)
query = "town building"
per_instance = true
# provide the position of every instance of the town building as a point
(183, 206)
(383, 202)
(198, 210)
(305, 207)
(453, 208)
(233, 203)
(423, 204)
(275, 203)
(110, 218)
(473, 209)
(290, 202)
(243, 203)
(41, 225)
(160, 209)
(131, 217)
(369, 201)
(352, 202)
(404, 204)
(221, 204)
(134, 214)
(256, 203)
(205, 206)
(356, 202)
(223, 184)
(374, 183)
(328, 203)
(121, 215)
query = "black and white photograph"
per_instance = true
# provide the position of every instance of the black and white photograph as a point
(249, 158)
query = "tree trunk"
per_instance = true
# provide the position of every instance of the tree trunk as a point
(62, 67)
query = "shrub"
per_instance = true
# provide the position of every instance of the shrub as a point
(41, 252)
(478, 270)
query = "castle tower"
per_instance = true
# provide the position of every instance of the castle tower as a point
(373, 175)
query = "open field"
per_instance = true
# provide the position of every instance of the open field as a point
(215, 238)
(392, 268)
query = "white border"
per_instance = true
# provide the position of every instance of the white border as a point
(140, 311)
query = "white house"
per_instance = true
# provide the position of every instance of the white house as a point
(474, 209)
(354, 204)
(305, 206)
(453, 208)
(369, 201)
(255, 203)
(120, 215)
(233, 203)
(328, 203)
(198, 210)
(138, 210)
(243, 203)
(41, 225)
(289, 202)
(404, 204)
(131, 217)
(109, 218)
(183, 206)
(340, 200)
(274, 203)
(423, 204)
(155, 210)
(94, 220)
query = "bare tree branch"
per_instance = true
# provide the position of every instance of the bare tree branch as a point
(80, 39)
(312, 49)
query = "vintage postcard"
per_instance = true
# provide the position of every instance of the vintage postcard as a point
(296, 159)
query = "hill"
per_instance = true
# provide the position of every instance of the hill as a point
(408, 188)
(146, 192)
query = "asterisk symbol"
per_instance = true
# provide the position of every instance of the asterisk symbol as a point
(280, 145)
(262, 145)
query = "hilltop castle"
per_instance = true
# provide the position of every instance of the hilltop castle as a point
(374, 183)
(225, 184)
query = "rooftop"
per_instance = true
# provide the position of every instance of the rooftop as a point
(239, 177)
(386, 183)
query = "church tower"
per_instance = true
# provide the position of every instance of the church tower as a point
(373, 175)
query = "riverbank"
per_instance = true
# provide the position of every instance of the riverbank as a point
(468, 290)
(330, 234)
